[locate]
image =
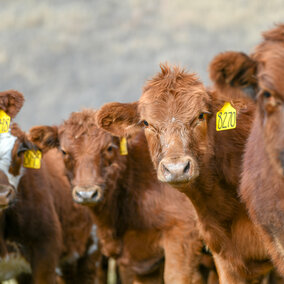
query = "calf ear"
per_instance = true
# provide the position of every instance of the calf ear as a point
(234, 70)
(23, 144)
(44, 137)
(11, 102)
(119, 119)
(275, 34)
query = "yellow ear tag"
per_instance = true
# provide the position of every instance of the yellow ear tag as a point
(32, 159)
(4, 122)
(123, 146)
(226, 118)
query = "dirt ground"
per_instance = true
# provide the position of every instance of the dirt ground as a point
(67, 54)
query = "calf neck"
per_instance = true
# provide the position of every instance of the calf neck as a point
(262, 179)
(179, 117)
(141, 221)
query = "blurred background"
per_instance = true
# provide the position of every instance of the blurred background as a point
(64, 55)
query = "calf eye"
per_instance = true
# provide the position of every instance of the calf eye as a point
(109, 149)
(63, 152)
(266, 94)
(201, 116)
(145, 123)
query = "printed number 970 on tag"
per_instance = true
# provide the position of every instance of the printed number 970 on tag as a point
(226, 118)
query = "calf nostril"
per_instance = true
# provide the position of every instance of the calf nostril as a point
(186, 168)
(9, 193)
(94, 194)
(165, 169)
(78, 194)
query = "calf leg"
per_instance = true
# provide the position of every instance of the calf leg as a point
(213, 278)
(225, 272)
(126, 275)
(24, 279)
(89, 269)
(44, 262)
(182, 257)
(155, 277)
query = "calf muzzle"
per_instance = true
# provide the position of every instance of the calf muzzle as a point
(87, 194)
(7, 195)
(175, 170)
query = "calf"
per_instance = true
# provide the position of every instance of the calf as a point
(146, 225)
(179, 117)
(7, 191)
(42, 231)
(262, 183)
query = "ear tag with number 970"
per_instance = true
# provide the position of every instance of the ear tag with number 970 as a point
(226, 118)
(4, 122)
(32, 159)
(123, 146)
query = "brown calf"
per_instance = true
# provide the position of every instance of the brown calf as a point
(179, 117)
(144, 224)
(262, 184)
(42, 231)
(15, 101)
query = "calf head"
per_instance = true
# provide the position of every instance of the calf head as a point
(174, 110)
(268, 58)
(234, 75)
(10, 102)
(91, 155)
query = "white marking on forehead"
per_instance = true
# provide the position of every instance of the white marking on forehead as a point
(173, 119)
(7, 142)
(167, 140)
(94, 246)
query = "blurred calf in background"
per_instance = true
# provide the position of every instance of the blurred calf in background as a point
(43, 232)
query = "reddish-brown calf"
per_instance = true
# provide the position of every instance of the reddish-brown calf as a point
(262, 184)
(179, 116)
(146, 225)
(42, 231)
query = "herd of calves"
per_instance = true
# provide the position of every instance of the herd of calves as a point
(183, 186)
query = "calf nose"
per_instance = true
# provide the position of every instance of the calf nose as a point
(7, 195)
(175, 170)
(87, 194)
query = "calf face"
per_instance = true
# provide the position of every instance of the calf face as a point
(270, 99)
(174, 110)
(10, 102)
(12, 147)
(7, 191)
(263, 72)
(91, 155)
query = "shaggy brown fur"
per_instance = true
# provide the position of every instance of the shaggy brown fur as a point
(44, 225)
(263, 169)
(233, 74)
(141, 221)
(11, 102)
(180, 120)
